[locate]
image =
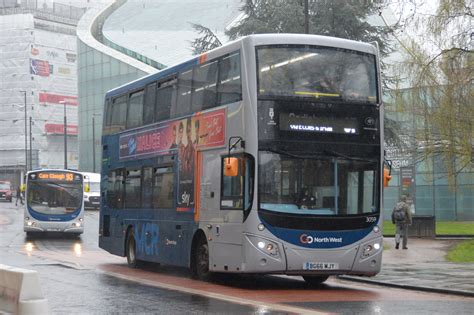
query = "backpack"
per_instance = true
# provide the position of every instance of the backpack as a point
(399, 214)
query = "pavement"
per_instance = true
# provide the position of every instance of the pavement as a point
(423, 267)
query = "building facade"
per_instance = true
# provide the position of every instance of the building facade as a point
(38, 88)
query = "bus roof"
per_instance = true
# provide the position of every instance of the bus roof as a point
(254, 40)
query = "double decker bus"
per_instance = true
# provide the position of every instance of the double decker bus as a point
(54, 202)
(261, 156)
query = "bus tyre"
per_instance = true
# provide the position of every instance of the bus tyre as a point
(201, 261)
(131, 249)
(315, 281)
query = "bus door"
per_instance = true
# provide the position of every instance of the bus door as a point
(222, 208)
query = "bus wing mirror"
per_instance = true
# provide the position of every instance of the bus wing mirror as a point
(386, 177)
(87, 188)
(387, 171)
(231, 166)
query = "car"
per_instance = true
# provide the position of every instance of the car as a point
(6, 190)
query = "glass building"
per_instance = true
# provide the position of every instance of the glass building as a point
(100, 68)
(120, 41)
(424, 178)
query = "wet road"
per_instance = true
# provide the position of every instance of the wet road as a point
(77, 277)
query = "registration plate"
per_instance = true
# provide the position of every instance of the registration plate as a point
(320, 266)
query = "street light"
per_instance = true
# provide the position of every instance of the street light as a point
(65, 134)
(31, 148)
(26, 136)
(93, 141)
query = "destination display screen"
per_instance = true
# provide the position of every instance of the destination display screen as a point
(55, 176)
(318, 124)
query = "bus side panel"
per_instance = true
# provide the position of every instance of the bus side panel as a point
(112, 238)
(167, 242)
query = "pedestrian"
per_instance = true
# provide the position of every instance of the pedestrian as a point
(401, 217)
(19, 196)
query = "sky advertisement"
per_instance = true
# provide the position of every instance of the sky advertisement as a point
(182, 137)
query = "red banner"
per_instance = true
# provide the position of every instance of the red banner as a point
(56, 99)
(58, 129)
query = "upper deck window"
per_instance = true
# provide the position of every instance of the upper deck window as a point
(119, 114)
(165, 98)
(135, 110)
(204, 86)
(229, 88)
(325, 73)
(149, 104)
(185, 80)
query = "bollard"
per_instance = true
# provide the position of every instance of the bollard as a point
(20, 292)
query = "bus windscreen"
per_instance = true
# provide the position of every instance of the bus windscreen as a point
(317, 185)
(329, 74)
(54, 193)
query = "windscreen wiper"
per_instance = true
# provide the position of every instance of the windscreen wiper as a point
(340, 155)
(316, 94)
(297, 156)
(322, 154)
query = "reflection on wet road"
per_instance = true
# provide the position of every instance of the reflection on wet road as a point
(78, 277)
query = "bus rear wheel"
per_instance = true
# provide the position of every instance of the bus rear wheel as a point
(201, 261)
(131, 250)
(315, 281)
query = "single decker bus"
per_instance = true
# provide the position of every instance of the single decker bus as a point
(54, 202)
(262, 156)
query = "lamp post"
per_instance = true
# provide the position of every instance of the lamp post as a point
(31, 147)
(306, 17)
(93, 142)
(26, 136)
(65, 134)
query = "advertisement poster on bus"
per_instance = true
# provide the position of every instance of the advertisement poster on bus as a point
(182, 137)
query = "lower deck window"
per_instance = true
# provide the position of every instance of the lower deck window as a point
(163, 183)
(133, 189)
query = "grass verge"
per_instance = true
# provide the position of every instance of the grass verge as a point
(442, 228)
(462, 252)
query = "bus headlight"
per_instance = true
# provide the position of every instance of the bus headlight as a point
(76, 224)
(376, 229)
(264, 245)
(370, 249)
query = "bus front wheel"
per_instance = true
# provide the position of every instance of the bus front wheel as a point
(131, 251)
(201, 261)
(315, 281)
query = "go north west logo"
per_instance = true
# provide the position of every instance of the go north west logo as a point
(308, 239)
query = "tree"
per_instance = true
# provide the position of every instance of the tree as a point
(207, 41)
(439, 71)
(338, 18)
